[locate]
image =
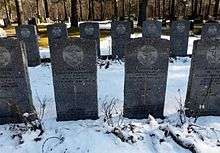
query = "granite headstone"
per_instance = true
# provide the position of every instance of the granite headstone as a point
(120, 34)
(74, 77)
(151, 29)
(146, 68)
(210, 31)
(90, 30)
(15, 92)
(28, 34)
(203, 94)
(179, 38)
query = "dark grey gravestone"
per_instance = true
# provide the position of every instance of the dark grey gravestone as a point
(203, 94)
(28, 34)
(75, 79)
(179, 38)
(120, 34)
(146, 67)
(90, 30)
(151, 29)
(210, 31)
(57, 32)
(15, 92)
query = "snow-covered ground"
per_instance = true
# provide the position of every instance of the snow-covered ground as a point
(93, 136)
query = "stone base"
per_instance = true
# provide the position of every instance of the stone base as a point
(75, 117)
(194, 113)
(143, 112)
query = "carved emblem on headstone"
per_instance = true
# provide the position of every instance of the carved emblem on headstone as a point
(121, 29)
(5, 57)
(213, 55)
(147, 55)
(180, 27)
(73, 55)
(56, 31)
(89, 30)
(151, 28)
(25, 32)
(212, 30)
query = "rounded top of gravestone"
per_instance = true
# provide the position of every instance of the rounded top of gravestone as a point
(73, 55)
(147, 55)
(121, 29)
(180, 27)
(152, 28)
(213, 55)
(212, 30)
(57, 32)
(25, 32)
(5, 57)
(89, 30)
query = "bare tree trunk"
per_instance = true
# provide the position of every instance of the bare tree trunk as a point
(123, 8)
(195, 9)
(93, 11)
(200, 8)
(101, 11)
(65, 11)
(74, 14)
(37, 8)
(46, 9)
(208, 8)
(6, 10)
(142, 11)
(192, 7)
(172, 16)
(216, 8)
(80, 8)
(115, 9)
(19, 10)
(158, 7)
(164, 9)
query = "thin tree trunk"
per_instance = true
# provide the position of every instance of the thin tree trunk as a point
(200, 8)
(46, 9)
(19, 10)
(6, 10)
(115, 9)
(37, 7)
(158, 5)
(80, 8)
(123, 8)
(74, 14)
(192, 7)
(142, 11)
(65, 11)
(164, 9)
(216, 7)
(208, 9)
(172, 10)
(195, 9)
(101, 11)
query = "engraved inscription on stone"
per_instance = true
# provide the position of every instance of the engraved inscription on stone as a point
(5, 57)
(89, 30)
(121, 29)
(151, 28)
(212, 30)
(73, 55)
(25, 32)
(56, 31)
(213, 55)
(147, 55)
(180, 27)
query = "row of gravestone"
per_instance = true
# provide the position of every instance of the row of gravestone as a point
(75, 77)
(120, 33)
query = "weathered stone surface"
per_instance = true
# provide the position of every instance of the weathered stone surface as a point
(146, 66)
(57, 32)
(203, 94)
(75, 80)
(120, 33)
(151, 29)
(210, 31)
(179, 37)
(28, 34)
(15, 93)
(90, 30)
